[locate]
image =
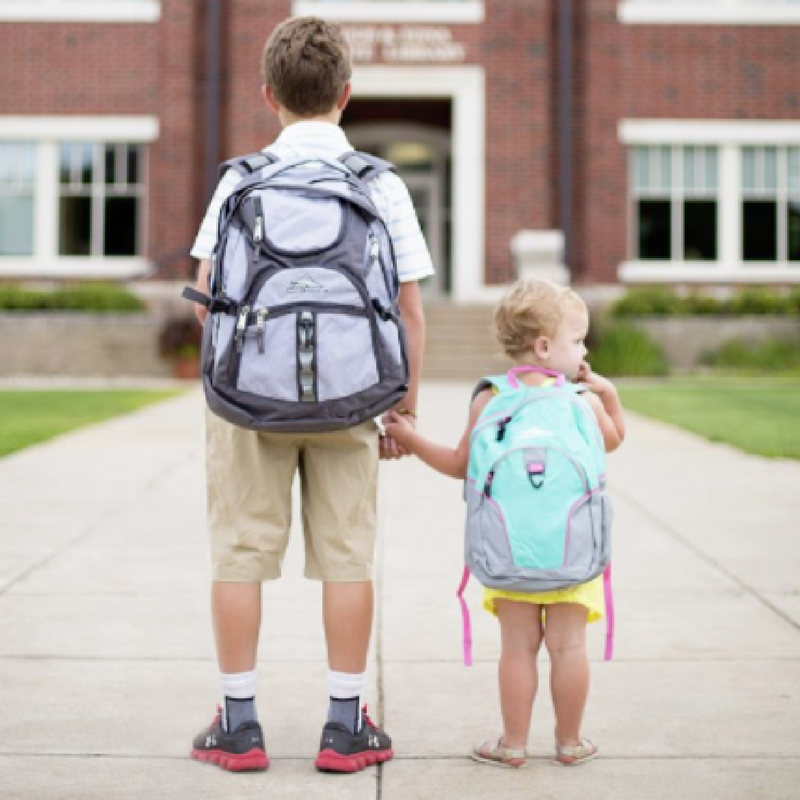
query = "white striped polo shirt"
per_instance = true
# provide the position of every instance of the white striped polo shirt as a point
(388, 192)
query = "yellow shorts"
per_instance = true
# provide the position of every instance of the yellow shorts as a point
(591, 595)
(250, 476)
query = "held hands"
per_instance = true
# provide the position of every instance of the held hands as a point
(399, 429)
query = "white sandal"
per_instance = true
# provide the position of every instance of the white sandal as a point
(576, 753)
(498, 755)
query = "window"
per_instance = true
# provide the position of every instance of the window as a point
(17, 187)
(80, 10)
(710, 12)
(770, 203)
(674, 192)
(100, 195)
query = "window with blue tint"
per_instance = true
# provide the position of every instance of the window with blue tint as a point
(17, 198)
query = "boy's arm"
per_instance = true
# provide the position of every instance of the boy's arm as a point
(413, 316)
(202, 286)
(447, 460)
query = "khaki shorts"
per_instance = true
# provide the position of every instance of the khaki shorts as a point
(250, 477)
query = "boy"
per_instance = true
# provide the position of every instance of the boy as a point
(306, 70)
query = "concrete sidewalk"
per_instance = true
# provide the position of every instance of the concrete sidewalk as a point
(106, 654)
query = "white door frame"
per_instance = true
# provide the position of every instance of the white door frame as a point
(465, 87)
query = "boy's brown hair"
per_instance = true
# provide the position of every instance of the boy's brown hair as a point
(530, 309)
(307, 65)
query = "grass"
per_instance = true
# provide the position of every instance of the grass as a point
(30, 417)
(757, 415)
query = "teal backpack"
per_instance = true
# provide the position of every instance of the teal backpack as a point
(538, 517)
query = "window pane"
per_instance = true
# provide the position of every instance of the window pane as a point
(793, 228)
(689, 168)
(760, 238)
(17, 164)
(111, 163)
(793, 161)
(700, 230)
(75, 226)
(87, 164)
(665, 168)
(120, 226)
(16, 226)
(65, 163)
(771, 168)
(641, 168)
(749, 168)
(654, 229)
(133, 164)
(711, 168)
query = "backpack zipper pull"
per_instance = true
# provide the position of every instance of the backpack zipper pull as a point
(241, 327)
(261, 329)
(501, 428)
(487, 487)
(374, 247)
(258, 227)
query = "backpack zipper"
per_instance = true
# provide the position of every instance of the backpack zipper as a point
(487, 486)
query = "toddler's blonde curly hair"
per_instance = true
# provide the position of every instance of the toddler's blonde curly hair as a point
(528, 310)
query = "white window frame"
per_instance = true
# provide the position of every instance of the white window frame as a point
(729, 136)
(711, 12)
(455, 11)
(80, 10)
(48, 133)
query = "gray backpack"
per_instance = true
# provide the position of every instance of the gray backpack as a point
(303, 332)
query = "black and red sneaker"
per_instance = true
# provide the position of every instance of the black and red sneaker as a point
(239, 751)
(342, 751)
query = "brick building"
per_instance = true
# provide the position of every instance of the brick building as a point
(683, 119)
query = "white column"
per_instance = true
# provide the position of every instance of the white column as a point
(729, 234)
(45, 248)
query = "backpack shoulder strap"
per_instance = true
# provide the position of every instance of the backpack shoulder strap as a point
(247, 165)
(365, 166)
(496, 382)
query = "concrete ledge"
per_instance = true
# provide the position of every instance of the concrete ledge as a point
(685, 340)
(81, 345)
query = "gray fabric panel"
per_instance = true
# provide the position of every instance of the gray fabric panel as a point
(299, 224)
(224, 326)
(308, 285)
(273, 374)
(390, 336)
(234, 261)
(345, 358)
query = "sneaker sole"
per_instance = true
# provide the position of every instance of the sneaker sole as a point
(254, 761)
(331, 761)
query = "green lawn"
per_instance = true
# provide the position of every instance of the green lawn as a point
(757, 415)
(28, 417)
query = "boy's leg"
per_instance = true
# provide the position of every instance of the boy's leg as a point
(565, 638)
(521, 634)
(249, 479)
(339, 473)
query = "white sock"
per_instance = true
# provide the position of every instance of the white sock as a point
(345, 690)
(238, 698)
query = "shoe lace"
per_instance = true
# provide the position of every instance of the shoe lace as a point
(367, 720)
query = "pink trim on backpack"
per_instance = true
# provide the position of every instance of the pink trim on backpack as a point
(511, 375)
(609, 595)
(466, 633)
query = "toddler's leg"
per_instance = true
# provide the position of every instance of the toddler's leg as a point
(521, 634)
(565, 638)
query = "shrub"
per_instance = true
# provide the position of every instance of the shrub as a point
(89, 297)
(662, 302)
(768, 355)
(624, 350)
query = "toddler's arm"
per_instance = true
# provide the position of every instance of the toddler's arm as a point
(447, 460)
(605, 403)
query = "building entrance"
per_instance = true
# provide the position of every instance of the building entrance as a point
(415, 136)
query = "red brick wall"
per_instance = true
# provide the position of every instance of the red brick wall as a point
(620, 71)
(663, 72)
